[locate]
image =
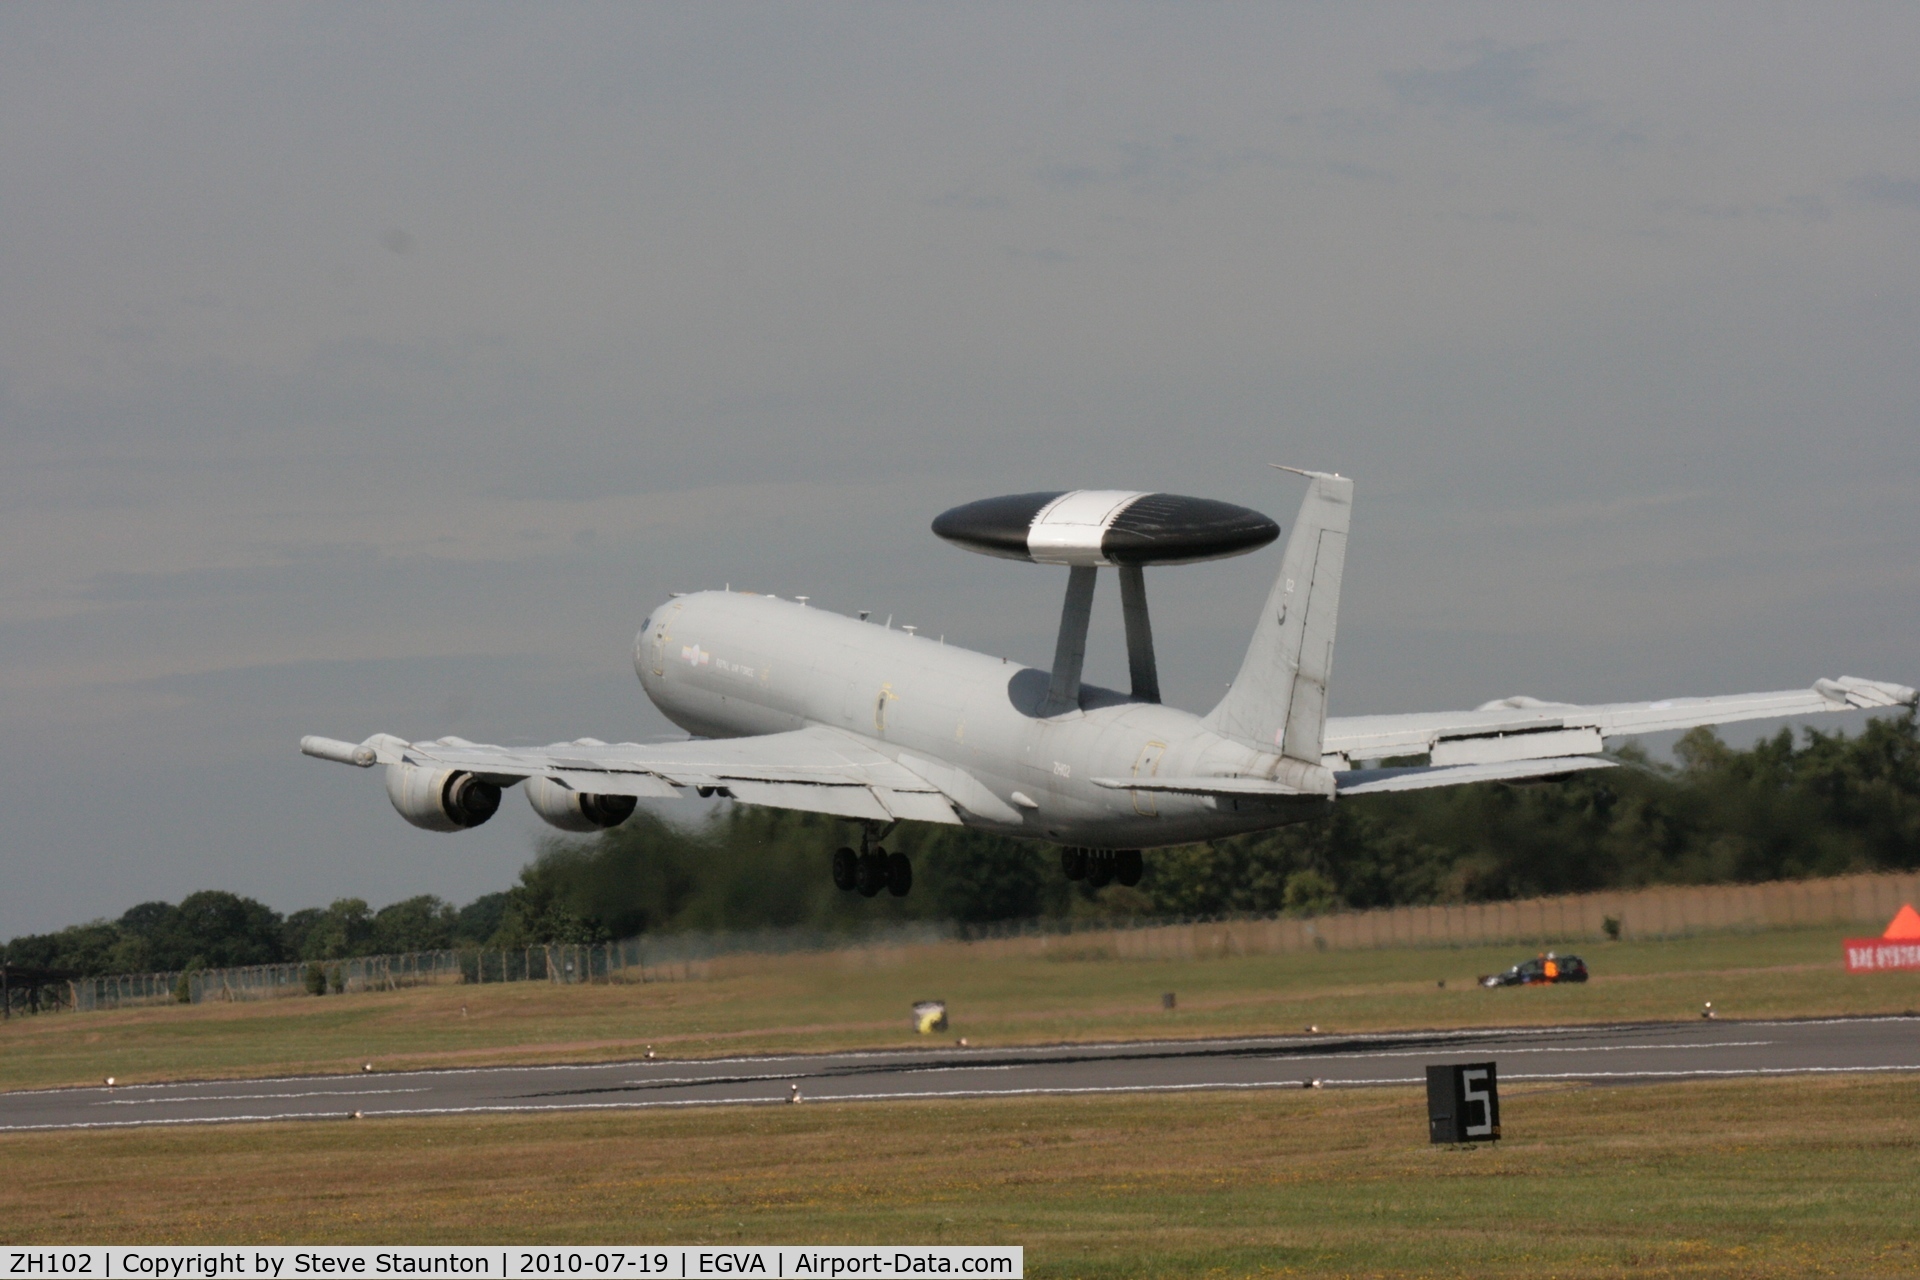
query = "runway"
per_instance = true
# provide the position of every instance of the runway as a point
(1639, 1052)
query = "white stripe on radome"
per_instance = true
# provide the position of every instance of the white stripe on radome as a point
(1069, 529)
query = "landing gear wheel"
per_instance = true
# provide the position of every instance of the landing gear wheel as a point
(1099, 868)
(846, 868)
(871, 877)
(1074, 863)
(1128, 866)
(899, 875)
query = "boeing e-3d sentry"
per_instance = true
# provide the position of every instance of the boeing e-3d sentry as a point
(800, 708)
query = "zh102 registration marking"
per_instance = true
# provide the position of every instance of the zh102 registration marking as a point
(288, 1262)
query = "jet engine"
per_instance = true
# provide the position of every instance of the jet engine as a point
(572, 810)
(441, 799)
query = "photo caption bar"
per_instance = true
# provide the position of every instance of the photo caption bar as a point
(509, 1262)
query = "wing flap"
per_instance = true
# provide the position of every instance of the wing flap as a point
(641, 786)
(841, 802)
(1204, 786)
(963, 789)
(917, 806)
(1533, 745)
(1359, 782)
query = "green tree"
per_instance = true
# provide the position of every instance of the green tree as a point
(344, 929)
(424, 923)
(217, 929)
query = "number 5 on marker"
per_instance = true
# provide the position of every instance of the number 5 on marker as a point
(1463, 1102)
(1469, 1078)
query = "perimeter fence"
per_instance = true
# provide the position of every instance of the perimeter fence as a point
(1662, 912)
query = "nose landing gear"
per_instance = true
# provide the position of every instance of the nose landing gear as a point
(872, 869)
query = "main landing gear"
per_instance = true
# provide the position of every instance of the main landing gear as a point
(1101, 867)
(872, 869)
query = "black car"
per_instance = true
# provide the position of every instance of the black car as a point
(1539, 970)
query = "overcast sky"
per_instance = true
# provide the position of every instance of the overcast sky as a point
(377, 368)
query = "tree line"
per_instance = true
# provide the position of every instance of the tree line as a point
(1825, 804)
(215, 929)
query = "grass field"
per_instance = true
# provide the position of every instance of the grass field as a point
(856, 999)
(1798, 1177)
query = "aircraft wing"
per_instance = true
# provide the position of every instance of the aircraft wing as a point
(818, 769)
(1523, 729)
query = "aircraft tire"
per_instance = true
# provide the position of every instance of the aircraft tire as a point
(1128, 867)
(872, 875)
(846, 868)
(899, 875)
(1073, 862)
(1099, 868)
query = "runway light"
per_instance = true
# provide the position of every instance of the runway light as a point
(109, 1079)
(1708, 1011)
(1314, 1029)
(356, 1115)
(794, 1096)
(366, 1066)
(962, 1042)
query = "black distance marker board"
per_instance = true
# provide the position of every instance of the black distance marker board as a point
(1463, 1103)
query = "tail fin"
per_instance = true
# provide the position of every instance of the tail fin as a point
(1280, 697)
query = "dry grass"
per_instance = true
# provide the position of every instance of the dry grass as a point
(1786, 1178)
(861, 999)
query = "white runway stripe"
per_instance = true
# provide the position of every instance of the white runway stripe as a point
(253, 1097)
(1037, 1091)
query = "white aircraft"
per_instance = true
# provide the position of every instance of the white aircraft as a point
(800, 708)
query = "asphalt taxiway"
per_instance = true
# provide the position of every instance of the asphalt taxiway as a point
(1614, 1053)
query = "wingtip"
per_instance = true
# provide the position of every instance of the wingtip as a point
(1865, 695)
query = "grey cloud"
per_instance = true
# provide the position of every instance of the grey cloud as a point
(1884, 189)
(1180, 165)
(1499, 81)
(1804, 210)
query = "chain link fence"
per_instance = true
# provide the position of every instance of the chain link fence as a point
(1663, 912)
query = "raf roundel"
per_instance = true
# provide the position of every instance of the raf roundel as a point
(1105, 527)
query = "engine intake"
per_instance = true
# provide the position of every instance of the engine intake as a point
(572, 810)
(441, 799)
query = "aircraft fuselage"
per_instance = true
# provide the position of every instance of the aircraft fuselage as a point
(733, 664)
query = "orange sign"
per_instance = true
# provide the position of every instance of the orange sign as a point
(1897, 948)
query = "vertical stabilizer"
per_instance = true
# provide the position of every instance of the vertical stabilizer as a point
(1279, 698)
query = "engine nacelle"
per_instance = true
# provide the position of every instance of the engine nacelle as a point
(572, 810)
(441, 799)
